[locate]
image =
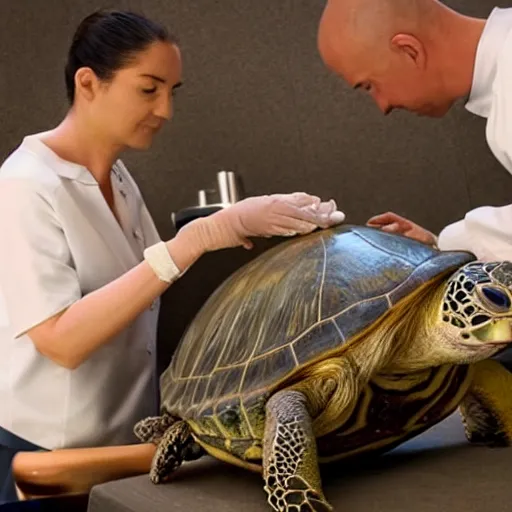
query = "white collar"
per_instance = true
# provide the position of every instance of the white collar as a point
(64, 168)
(498, 24)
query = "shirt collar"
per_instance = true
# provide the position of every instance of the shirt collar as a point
(69, 170)
(498, 24)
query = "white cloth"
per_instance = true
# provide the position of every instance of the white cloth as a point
(487, 231)
(59, 240)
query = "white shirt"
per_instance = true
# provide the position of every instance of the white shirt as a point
(487, 231)
(59, 240)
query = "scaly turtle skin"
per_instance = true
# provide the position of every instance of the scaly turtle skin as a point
(342, 342)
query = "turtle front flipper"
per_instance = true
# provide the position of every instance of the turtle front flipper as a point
(175, 446)
(487, 408)
(290, 465)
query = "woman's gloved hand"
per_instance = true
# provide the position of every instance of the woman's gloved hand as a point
(264, 216)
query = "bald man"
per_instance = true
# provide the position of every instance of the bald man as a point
(421, 56)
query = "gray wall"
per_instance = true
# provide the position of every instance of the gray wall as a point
(258, 100)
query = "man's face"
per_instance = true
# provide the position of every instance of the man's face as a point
(393, 85)
(393, 74)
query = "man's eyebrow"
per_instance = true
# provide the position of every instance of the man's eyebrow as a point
(179, 84)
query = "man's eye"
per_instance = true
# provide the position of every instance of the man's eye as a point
(149, 91)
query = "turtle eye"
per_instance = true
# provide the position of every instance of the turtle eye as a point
(495, 298)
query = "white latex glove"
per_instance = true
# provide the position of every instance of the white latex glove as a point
(265, 216)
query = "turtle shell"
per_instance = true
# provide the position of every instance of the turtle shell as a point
(290, 306)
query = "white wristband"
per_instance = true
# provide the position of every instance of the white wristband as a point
(161, 262)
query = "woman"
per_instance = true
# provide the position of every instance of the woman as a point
(81, 263)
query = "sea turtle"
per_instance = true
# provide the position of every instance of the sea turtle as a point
(338, 343)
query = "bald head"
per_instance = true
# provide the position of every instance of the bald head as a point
(410, 54)
(368, 23)
(359, 13)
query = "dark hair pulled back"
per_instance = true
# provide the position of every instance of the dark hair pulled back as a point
(106, 41)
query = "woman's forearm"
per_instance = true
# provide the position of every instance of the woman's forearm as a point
(70, 337)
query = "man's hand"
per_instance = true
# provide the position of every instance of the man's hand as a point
(393, 223)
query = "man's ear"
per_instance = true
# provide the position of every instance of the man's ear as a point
(411, 48)
(86, 83)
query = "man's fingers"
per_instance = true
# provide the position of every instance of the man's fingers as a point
(394, 227)
(384, 218)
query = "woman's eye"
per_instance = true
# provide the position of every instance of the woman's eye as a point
(149, 91)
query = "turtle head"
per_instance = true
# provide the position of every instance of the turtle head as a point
(477, 303)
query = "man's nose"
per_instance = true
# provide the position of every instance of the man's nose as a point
(384, 106)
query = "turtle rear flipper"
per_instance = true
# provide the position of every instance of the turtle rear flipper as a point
(487, 408)
(151, 430)
(175, 446)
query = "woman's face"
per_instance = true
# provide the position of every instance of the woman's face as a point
(130, 108)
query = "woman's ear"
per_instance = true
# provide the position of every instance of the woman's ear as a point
(86, 83)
